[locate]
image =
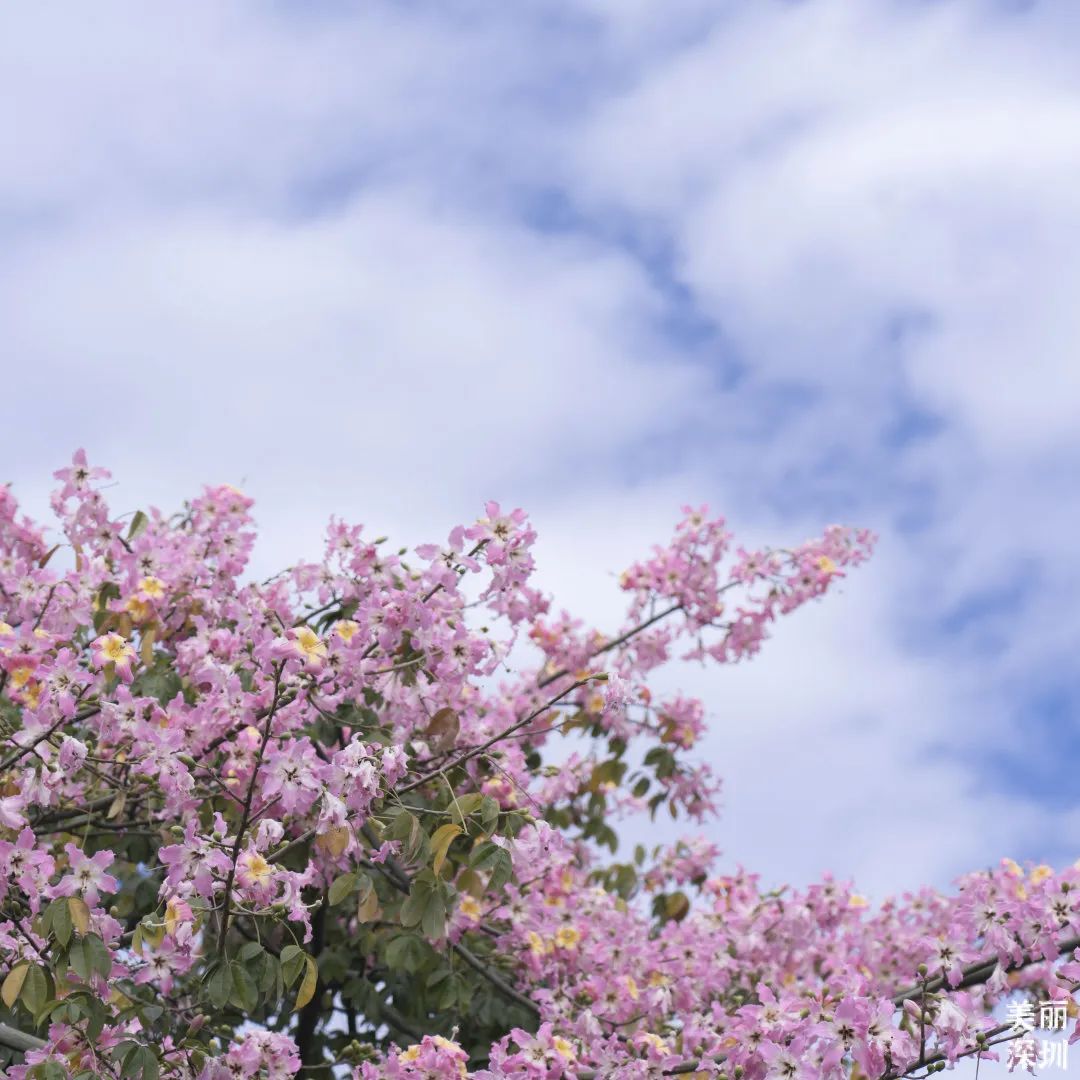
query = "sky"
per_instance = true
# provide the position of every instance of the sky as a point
(804, 261)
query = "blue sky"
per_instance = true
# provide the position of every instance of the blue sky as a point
(806, 262)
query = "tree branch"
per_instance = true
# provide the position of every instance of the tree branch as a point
(977, 973)
(495, 979)
(245, 817)
(14, 1039)
(476, 750)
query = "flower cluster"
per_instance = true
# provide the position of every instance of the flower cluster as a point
(249, 828)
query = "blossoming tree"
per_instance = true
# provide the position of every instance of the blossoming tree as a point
(328, 821)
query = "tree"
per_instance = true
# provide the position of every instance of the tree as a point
(327, 822)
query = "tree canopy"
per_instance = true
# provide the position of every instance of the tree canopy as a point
(360, 819)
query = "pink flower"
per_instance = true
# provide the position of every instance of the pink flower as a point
(112, 649)
(87, 875)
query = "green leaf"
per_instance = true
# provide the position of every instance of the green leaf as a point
(495, 861)
(96, 1019)
(365, 886)
(292, 963)
(342, 888)
(662, 760)
(122, 1052)
(49, 1070)
(161, 681)
(268, 976)
(59, 920)
(141, 1063)
(79, 960)
(151, 1070)
(463, 805)
(35, 989)
(434, 920)
(412, 911)
(406, 953)
(245, 995)
(469, 881)
(219, 988)
(406, 828)
(138, 523)
(90, 956)
(489, 813)
(249, 950)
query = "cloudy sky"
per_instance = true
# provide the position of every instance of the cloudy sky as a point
(805, 261)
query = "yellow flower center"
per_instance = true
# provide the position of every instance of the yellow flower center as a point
(138, 608)
(152, 587)
(308, 644)
(258, 869)
(470, 907)
(563, 1047)
(115, 649)
(566, 937)
(655, 1041)
(20, 676)
(172, 915)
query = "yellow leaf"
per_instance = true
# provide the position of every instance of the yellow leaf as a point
(153, 933)
(335, 841)
(307, 987)
(146, 647)
(80, 914)
(442, 731)
(368, 908)
(676, 906)
(13, 984)
(116, 807)
(441, 840)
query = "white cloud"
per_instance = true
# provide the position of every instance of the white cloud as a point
(391, 353)
(824, 166)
